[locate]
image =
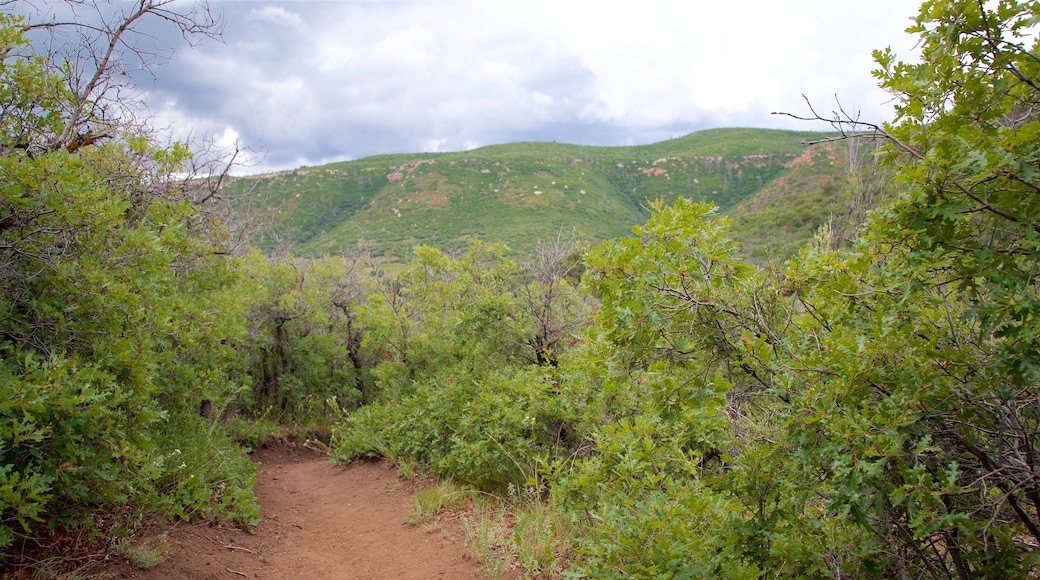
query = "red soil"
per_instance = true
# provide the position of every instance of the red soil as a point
(319, 521)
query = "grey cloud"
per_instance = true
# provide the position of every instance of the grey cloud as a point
(361, 108)
(315, 81)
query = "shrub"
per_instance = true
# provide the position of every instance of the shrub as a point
(485, 431)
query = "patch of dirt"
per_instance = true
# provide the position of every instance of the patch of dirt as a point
(805, 157)
(319, 521)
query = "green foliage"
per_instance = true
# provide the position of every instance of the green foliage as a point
(202, 473)
(251, 432)
(916, 349)
(464, 389)
(519, 193)
(669, 532)
(485, 431)
(304, 343)
(118, 320)
(429, 502)
(686, 475)
(71, 437)
(965, 120)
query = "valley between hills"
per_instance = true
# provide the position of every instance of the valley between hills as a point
(777, 189)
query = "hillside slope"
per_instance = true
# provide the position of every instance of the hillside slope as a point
(524, 192)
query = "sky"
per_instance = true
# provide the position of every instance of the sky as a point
(309, 82)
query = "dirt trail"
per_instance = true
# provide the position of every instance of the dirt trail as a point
(319, 521)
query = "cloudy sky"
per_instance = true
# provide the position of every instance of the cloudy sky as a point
(309, 82)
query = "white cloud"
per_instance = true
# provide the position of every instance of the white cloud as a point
(228, 138)
(413, 47)
(326, 80)
(277, 15)
(435, 145)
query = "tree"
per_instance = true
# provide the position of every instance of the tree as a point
(117, 318)
(95, 49)
(550, 298)
(684, 370)
(305, 342)
(883, 415)
(925, 399)
(458, 386)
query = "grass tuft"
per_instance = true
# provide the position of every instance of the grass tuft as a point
(146, 553)
(428, 503)
(484, 539)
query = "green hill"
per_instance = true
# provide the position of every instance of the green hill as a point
(521, 193)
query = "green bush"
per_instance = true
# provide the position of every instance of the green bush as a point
(74, 442)
(202, 473)
(644, 511)
(71, 439)
(485, 431)
(119, 317)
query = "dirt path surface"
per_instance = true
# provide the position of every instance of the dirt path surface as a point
(319, 521)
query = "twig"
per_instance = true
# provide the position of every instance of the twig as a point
(242, 574)
(239, 548)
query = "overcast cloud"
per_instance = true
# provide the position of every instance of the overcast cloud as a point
(314, 82)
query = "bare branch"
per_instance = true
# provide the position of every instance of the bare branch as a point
(849, 126)
(100, 44)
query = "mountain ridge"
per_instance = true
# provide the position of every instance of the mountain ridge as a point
(520, 193)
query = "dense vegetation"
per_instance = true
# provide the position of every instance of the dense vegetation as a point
(869, 408)
(118, 315)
